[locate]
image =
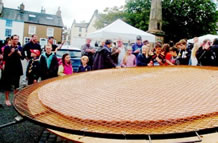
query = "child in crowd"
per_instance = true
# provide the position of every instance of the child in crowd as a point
(66, 67)
(129, 59)
(171, 56)
(143, 58)
(157, 59)
(33, 68)
(84, 67)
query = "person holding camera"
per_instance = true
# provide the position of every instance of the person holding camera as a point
(13, 67)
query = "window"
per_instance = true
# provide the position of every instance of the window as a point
(8, 32)
(80, 29)
(49, 18)
(50, 32)
(26, 40)
(54, 41)
(43, 42)
(8, 23)
(32, 30)
(31, 15)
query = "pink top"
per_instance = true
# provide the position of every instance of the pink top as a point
(68, 69)
(130, 62)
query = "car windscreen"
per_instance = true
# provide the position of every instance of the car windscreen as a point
(72, 53)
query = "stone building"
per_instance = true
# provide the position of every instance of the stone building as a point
(80, 30)
(26, 23)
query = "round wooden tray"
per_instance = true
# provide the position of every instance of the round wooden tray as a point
(132, 101)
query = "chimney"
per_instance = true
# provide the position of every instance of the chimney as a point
(1, 6)
(58, 13)
(42, 10)
(22, 8)
(96, 12)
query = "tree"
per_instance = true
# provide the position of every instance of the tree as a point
(181, 18)
(109, 15)
(138, 13)
(188, 18)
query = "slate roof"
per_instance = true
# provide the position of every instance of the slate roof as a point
(32, 17)
(82, 25)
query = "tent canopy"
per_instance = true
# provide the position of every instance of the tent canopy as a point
(119, 30)
(202, 38)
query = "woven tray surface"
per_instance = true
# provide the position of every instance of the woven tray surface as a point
(155, 100)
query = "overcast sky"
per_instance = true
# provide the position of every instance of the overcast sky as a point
(71, 9)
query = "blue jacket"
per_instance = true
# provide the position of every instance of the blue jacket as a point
(142, 60)
(135, 47)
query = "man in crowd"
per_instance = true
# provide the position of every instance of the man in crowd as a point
(103, 58)
(136, 48)
(32, 45)
(122, 51)
(89, 51)
(13, 67)
(54, 46)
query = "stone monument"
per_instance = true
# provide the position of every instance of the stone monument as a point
(155, 22)
(1, 7)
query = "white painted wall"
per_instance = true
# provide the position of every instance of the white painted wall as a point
(17, 28)
(2, 29)
(91, 27)
(75, 31)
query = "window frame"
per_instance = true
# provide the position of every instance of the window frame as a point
(8, 23)
(30, 29)
(50, 33)
(7, 31)
(26, 40)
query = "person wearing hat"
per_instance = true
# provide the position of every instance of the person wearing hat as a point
(103, 59)
(33, 68)
(136, 48)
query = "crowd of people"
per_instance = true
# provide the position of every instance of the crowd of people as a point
(43, 64)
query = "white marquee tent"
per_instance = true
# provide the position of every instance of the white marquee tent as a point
(120, 30)
(202, 38)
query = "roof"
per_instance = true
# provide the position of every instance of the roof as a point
(82, 25)
(120, 30)
(32, 17)
(86, 25)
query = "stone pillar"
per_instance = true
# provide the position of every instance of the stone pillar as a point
(155, 22)
(1, 6)
(58, 13)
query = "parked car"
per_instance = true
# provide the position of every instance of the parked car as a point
(75, 54)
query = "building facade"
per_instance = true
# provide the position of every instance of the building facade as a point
(79, 31)
(26, 23)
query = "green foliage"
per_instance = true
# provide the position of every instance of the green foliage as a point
(181, 18)
(188, 18)
(137, 13)
(109, 16)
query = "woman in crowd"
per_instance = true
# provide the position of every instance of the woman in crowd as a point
(65, 68)
(129, 59)
(143, 58)
(205, 56)
(214, 47)
(193, 59)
